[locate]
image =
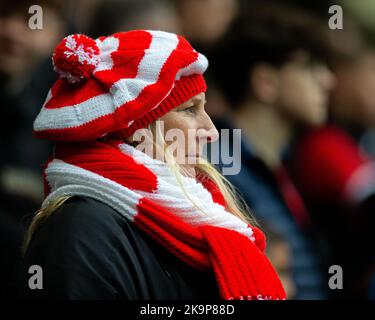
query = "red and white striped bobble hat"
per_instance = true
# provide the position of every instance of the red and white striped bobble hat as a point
(118, 83)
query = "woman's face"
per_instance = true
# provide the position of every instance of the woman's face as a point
(187, 128)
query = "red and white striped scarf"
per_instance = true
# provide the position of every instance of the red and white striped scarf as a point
(145, 191)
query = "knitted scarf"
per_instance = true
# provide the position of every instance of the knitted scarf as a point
(145, 191)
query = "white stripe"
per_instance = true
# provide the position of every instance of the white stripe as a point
(84, 112)
(93, 108)
(74, 116)
(199, 66)
(106, 47)
(161, 47)
(66, 179)
(124, 90)
(68, 117)
(170, 195)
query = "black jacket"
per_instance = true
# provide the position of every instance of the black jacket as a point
(87, 250)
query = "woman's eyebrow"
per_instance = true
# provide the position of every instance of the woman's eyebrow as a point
(198, 100)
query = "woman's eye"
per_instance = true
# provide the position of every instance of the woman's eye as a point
(190, 110)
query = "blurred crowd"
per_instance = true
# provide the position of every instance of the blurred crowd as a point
(302, 94)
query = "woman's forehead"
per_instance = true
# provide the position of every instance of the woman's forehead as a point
(198, 98)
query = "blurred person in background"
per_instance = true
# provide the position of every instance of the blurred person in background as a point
(353, 62)
(337, 181)
(204, 22)
(24, 81)
(333, 166)
(271, 65)
(82, 15)
(280, 254)
(109, 16)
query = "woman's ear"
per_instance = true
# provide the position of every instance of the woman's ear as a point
(264, 82)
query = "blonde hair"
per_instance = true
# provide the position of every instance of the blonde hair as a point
(233, 201)
(41, 216)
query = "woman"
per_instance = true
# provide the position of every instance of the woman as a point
(130, 218)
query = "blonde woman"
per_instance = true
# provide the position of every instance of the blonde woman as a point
(137, 218)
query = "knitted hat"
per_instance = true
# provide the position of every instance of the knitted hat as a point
(121, 82)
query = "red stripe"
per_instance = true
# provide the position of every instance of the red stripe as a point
(108, 162)
(150, 96)
(88, 131)
(154, 93)
(241, 269)
(187, 244)
(126, 59)
(209, 185)
(65, 94)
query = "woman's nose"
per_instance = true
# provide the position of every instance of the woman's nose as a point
(213, 134)
(208, 130)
